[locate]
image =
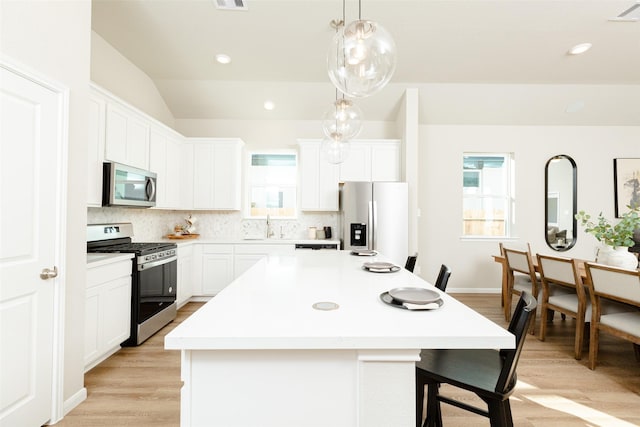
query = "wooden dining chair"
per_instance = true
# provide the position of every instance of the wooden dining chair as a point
(519, 261)
(518, 276)
(619, 285)
(490, 374)
(563, 291)
(443, 278)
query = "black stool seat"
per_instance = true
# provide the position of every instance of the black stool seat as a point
(490, 374)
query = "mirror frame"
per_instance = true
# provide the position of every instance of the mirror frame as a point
(574, 177)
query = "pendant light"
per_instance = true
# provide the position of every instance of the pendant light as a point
(342, 117)
(334, 149)
(361, 57)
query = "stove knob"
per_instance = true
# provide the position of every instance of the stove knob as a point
(147, 258)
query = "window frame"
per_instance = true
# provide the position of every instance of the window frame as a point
(246, 212)
(508, 198)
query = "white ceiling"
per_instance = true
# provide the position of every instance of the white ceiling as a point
(473, 61)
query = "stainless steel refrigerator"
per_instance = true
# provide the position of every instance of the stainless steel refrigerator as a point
(375, 215)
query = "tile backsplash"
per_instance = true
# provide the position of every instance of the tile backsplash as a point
(153, 224)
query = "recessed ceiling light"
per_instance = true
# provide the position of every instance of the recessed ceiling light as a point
(269, 105)
(222, 58)
(580, 48)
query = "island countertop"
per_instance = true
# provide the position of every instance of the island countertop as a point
(271, 307)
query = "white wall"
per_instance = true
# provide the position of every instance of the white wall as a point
(121, 77)
(441, 150)
(52, 38)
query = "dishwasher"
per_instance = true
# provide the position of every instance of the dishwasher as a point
(317, 246)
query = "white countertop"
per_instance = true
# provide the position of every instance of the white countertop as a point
(270, 307)
(231, 241)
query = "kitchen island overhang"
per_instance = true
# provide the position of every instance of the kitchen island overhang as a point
(259, 347)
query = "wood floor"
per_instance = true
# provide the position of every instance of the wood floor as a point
(140, 386)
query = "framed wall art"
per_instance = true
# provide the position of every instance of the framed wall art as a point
(626, 182)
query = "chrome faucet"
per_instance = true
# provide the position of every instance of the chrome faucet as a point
(270, 232)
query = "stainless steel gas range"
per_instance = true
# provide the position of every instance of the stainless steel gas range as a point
(153, 277)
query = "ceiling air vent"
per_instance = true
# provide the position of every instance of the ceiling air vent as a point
(231, 4)
(632, 14)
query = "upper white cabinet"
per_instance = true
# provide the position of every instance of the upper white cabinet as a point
(127, 137)
(95, 149)
(318, 178)
(372, 160)
(217, 173)
(165, 159)
(186, 176)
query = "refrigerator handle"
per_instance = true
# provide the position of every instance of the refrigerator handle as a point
(373, 227)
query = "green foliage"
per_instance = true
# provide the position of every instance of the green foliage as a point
(616, 235)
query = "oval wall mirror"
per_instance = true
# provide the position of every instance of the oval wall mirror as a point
(561, 202)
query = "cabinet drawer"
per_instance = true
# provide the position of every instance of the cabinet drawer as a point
(217, 249)
(107, 272)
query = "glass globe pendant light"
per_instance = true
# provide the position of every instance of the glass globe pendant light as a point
(362, 58)
(334, 149)
(344, 118)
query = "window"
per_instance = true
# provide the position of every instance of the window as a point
(487, 195)
(272, 185)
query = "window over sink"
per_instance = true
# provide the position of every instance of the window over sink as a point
(272, 185)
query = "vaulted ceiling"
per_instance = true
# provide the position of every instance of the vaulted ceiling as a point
(472, 61)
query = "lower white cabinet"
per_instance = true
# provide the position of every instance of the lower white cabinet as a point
(213, 265)
(216, 265)
(185, 274)
(107, 310)
(247, 255)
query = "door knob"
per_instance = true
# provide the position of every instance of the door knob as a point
(47, 273)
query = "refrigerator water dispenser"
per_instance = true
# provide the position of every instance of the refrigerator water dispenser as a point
(358, 234)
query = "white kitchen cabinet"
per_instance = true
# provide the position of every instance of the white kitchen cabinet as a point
(185, 274)
(217, 173)
(213, 267)
(186, 175)
(95, 149)
(127, 137)
(372, 160)
(246, 255)
(318, 178)
(165, 160)
(107, 310)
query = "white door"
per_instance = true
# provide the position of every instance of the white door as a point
(30, 141)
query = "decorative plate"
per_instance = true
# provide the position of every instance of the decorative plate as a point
(388, 299)
(414, 295)
(364, 252)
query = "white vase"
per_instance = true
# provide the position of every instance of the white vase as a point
(622, 258)
(602, 253)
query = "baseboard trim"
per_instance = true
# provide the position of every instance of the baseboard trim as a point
(473, 291)
(75, 400)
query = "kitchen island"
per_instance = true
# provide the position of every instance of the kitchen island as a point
(260, 354)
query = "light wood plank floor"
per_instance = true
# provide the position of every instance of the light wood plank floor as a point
(140, 386)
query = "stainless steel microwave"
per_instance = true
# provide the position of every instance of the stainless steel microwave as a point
(126, 186)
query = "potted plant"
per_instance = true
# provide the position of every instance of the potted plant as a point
(619, 236)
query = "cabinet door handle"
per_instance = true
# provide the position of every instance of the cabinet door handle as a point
(48, 273)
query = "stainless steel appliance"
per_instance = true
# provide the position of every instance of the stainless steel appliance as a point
(154, 277)
(126, 186)
(374, 215)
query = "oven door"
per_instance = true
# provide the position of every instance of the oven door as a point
(157, 282)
